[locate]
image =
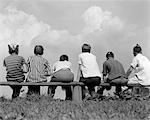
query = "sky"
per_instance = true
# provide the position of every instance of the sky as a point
(62, 26)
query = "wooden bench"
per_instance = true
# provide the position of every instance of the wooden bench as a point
(76, 93)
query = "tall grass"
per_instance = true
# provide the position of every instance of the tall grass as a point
(45, 108)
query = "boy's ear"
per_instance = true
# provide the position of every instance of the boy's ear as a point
(9, 47)
(17, 46)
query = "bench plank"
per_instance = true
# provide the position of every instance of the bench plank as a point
(77, 90)
(61, 84)
(76, 93)
(42, 83)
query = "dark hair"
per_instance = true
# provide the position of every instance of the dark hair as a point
(38, 50)
(13, 49)
(64, 57)
(109, 54)
(137, 49)
(86, 48)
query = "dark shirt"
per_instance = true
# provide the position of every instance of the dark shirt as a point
(113, 69)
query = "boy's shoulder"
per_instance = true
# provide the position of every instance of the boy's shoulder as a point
(30, 57)
(7, 57)
(20, 56)
(37, 57)
(138, 57)
(111, 61)
(106, 62)
(62, 62)
(44, 59)
(13, 56)
(86, 54)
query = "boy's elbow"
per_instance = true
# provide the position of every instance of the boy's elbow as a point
(25, 71)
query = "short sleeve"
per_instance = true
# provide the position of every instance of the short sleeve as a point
(28, 60)
(47, 64)
(79, 60)
(134, 62)
(53, 68)
(70, 64)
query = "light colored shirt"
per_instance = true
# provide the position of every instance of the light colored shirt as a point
(61, 65)
(88, 65)
(141, 66)
(38, 69)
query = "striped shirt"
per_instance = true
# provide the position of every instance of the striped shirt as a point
(14, 68)
(38, 69)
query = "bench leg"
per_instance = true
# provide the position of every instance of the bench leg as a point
(77, 94)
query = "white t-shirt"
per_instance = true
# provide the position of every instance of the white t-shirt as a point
(88, 65)
(61, 65)
(141, 66)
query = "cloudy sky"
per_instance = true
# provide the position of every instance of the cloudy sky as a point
(62, 26)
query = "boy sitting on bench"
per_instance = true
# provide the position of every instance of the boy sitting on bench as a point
(140, 66)
(88, 72)
(113, 73)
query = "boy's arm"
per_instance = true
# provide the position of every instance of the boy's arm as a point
(133, 66)
(53, 68)
(49, 71)
(129, 72)
(104, 71)
(4, 64)
(25, 66)
(70, 67)
(78, 74)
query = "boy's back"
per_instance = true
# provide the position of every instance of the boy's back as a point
(89, 66)
(38, 68)
(114, 68)
(61, 65)
(141, 66)
(14, 67)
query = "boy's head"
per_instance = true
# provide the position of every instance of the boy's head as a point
(86, 48)
(38, 50)
(64, 58)
(13, 49)
(137, 49)
(109, 54)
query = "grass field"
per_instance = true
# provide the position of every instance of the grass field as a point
(45, 108)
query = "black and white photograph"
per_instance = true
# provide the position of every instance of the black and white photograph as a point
(75, 59)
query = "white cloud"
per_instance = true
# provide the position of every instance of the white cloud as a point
(24, 29)
(19, 27)
(98, 20)
(52, 38)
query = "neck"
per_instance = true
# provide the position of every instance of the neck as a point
(39, 55)
(137, 53)
(110, 58)
(13, 54)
